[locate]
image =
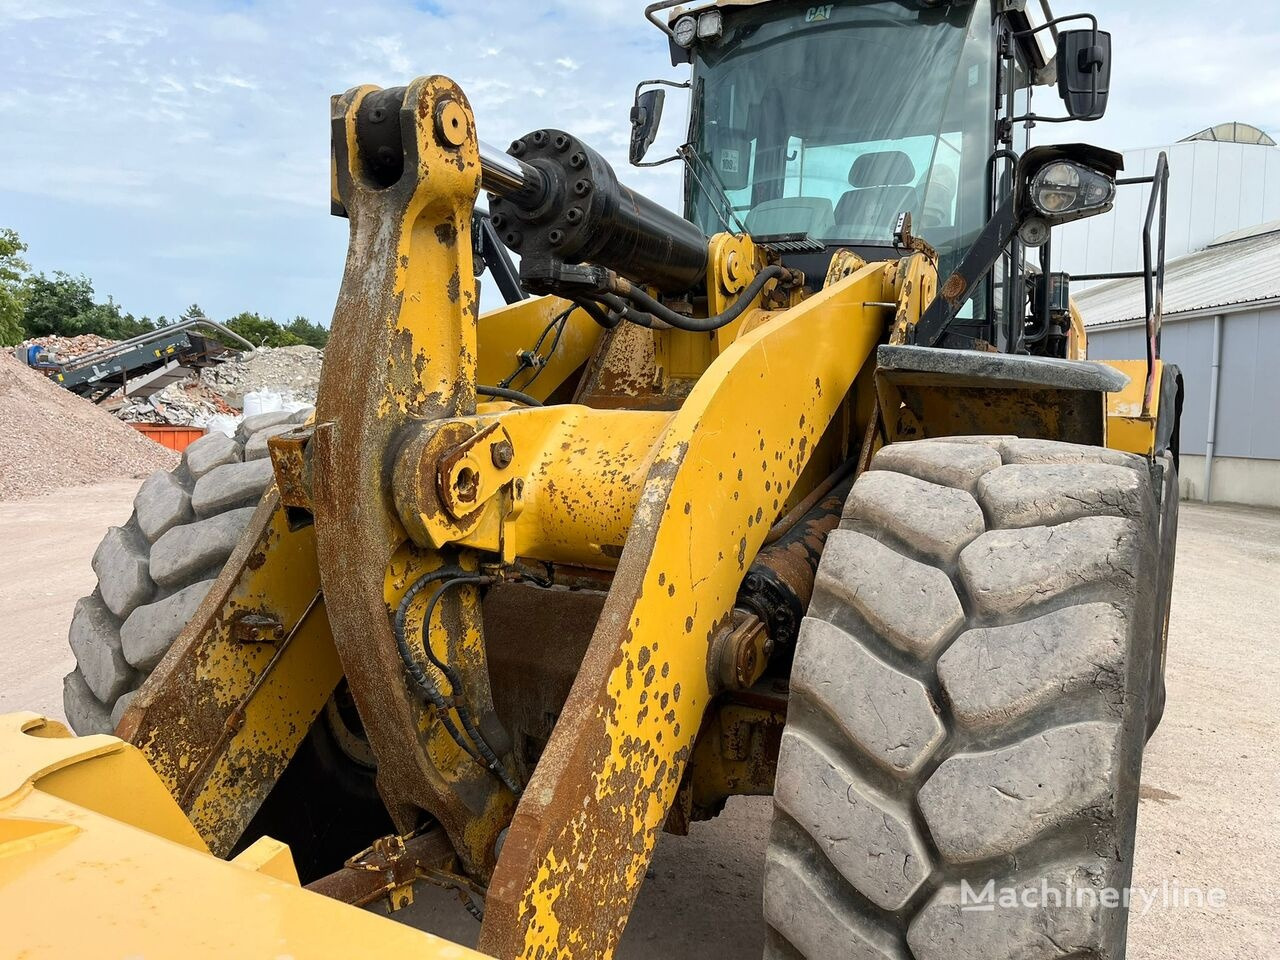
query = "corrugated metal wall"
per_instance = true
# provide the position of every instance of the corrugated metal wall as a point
(1214, 189)
(1249, 387)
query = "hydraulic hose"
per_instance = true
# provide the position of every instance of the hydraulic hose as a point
(506, 393)
(627, 289)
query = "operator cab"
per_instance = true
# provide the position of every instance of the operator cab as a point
(813, 128)
(798, 131)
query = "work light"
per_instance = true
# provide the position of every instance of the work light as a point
(1065, 188)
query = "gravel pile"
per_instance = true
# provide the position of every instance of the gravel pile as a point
(51, 438)
(293, 372)
(69, 348)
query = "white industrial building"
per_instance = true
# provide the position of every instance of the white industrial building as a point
(1221, 301)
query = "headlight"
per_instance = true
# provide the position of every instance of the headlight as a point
(685, 30)
(1063, 188)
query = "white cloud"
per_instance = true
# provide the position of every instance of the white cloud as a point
(178, 149)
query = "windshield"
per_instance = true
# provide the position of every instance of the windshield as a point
(832, 120)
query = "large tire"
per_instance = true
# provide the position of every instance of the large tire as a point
(152, 574)
(1167, 471)
(154, 571)
(969, 706)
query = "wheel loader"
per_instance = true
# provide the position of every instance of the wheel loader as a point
(809, 492)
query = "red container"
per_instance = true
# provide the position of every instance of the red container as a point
(175, 438)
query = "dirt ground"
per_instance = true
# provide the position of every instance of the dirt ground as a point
(1211, 778)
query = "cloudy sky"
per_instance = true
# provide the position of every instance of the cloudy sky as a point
(178, 151)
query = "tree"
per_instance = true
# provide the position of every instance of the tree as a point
(63, 306)
(13, 293)
(54, 304)
(262, 331)
(312, 334)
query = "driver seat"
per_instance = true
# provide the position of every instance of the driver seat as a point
(882, 188)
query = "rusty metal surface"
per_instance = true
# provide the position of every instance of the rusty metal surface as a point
(223, 713)
(391, 864)
(566, 494)
(402, 350)
(292, 466)
(737, 749)
(536, 638)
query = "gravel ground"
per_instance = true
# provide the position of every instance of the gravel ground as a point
(51, 438)
(1212, 773)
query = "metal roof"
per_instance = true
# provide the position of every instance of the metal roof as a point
(1235, 270)
(1234, 132)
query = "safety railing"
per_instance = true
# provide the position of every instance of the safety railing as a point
(1152, 273)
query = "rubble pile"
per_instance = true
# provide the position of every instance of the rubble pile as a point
(292, 372)
(51, 438)
(70, 348)
(191, 402)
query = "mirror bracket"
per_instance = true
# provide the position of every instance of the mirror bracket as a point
(1083, 68)
(646, 115)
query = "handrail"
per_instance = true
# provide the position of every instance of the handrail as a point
(1152, 272)
(1153, 282)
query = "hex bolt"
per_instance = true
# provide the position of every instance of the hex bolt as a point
(573, 214)
(517, 147)
(582, 187)
(513, 239)
(499, 220)
(502, 454)
(539, 138)
(555, 237)
(578, 160)
(562, 143)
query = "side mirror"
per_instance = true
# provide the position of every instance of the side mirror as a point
(1084, 72)
(645, 117)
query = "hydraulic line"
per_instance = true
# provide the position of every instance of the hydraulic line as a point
(638, 296)
(505, 393)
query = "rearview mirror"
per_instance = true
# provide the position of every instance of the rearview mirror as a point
(645, 117)
(1084, 72)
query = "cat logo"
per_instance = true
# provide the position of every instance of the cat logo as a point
(818, 14)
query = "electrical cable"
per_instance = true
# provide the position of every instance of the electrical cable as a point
(419, 676)
(534, 358)
(455, 682)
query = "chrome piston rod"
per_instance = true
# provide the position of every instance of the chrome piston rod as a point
(509, 177)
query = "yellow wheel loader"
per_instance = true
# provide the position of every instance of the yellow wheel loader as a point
(809, 492)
